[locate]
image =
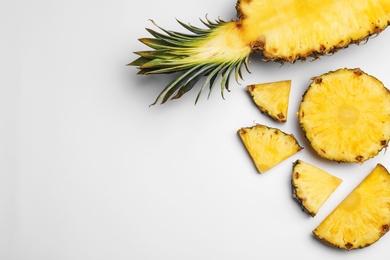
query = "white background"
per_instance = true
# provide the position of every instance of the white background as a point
(89, 171)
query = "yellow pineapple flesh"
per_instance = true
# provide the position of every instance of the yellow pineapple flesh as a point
(282, 30)
(363, 217)
(290, 30)
(312, 186)
(345, 115)
(272, 98)
(268, 146)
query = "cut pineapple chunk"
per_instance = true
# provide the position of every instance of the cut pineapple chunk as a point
(363, 217)
(345, 115)
(312, 186)
(268, 146)
(272, 98)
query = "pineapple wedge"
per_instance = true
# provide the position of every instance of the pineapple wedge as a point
(345, 115)
(363, 217)
(282, 30)
(272, 98)
(268, 146)
(312, 186)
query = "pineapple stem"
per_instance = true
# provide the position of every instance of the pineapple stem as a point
(213, 52)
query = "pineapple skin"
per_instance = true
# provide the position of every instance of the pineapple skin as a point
(345, 233)
(295, 195)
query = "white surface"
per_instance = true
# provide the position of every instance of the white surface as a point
(89, 171)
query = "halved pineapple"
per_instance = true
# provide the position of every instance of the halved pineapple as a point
(363, 217)
(312, 186)
(268, 146)
(272, 98)
(282, 30)
(345, 115)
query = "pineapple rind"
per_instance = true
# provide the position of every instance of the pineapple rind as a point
(268, 146)
(363, 217)
(345, 115)
(272, 98)
(312, 186)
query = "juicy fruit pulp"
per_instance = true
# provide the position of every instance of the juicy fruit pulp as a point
(312, 186)
(363, 217)
(290, 30)
(272, 98)
(345, 115)
(268, 146)
(279, 30)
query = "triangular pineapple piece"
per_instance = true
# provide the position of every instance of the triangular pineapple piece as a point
(312, 186)
(363, 217)
(268, 146)
(345, 115)
(272, 98)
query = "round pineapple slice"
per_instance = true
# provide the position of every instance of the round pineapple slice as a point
(363, 217)
(345, 115)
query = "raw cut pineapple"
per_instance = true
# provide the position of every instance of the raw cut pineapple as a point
(268, 146)
(345, 115)
(312, 186)
(272, 98)
(363, 217)
(282, 30)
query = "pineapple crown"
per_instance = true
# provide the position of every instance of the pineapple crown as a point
(192, 55)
